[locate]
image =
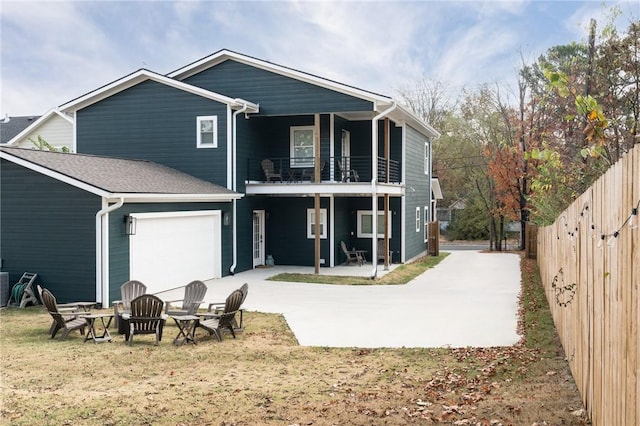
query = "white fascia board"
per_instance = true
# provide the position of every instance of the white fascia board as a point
(39, 122)
(224, 55)
(54, 175)
(174, 198)
(402, 114)
(137, 78)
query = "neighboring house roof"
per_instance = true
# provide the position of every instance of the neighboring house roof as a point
(113, 178)
(12, 126)
(36, 123)
(142, 75)
(381, 102)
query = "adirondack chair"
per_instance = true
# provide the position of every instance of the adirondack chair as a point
(23, 291)
(145, 317)
(216, 323)
(347, 174)
(269, 170)
(65, 322)
(218, 307)
(194, 294)
(128, 291)
(352, 255)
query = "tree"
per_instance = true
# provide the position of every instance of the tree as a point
(43, 145)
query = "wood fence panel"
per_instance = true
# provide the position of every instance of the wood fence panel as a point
(591, 283)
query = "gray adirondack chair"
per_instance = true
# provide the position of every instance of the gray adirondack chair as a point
(128, 291)
(194, 293)
(218, 307)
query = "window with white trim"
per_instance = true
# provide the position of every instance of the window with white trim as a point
(417, 219)
(207, 131)
(311, 223)
(426, 158)
(426, 223)
(302, 139)
(365, 224)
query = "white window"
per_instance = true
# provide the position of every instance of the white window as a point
(365, 224)
(302, 146)
(418, 219)
(426, 158)
(311, 223)
(426, 223)
(207, 132)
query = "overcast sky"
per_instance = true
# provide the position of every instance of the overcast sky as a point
(55, 51)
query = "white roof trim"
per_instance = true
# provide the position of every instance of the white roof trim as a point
(144, 75)
(40, 121)
(435, 187)
(127, 196)
(224, 55)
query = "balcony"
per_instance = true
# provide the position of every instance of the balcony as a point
(333, 170)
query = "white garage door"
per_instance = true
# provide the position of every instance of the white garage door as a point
(171, 249)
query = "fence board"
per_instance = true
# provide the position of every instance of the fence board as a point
(593, 291)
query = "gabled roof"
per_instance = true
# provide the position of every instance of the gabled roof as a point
(381, 102)
(34, 124)
(114, 178)
(11, 126)
(142, 75)
(224, 55)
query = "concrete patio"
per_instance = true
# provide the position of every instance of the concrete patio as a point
(469, 299)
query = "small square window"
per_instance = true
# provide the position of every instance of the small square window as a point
(311, 223)
(207, 132)
(365, 224)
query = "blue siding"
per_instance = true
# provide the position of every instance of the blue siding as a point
(418, 186)
(155, 122)
(48, 227)
(276, 94)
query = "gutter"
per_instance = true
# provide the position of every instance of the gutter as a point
(101, 248)
(234, 131)
(374, 187)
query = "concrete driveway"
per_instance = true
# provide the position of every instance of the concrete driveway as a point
(469, 299)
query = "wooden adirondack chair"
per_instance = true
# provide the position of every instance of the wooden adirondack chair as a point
(62, 321)
(218, 308)
(216, 323)
(145, 318)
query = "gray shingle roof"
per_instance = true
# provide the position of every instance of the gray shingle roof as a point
(14, 125)
(117, 175)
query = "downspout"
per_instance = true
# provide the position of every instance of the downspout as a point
(374, 187)
(99, 249)
(232, 268)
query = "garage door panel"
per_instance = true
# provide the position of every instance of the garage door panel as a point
(171, 249)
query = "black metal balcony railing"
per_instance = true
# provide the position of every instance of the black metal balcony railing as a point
(334, 169)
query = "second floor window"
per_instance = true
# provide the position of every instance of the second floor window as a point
(302, 146)
(207, 132)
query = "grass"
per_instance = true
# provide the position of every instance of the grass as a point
(265, 378)
(400, 275)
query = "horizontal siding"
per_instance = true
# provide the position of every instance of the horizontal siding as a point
(155, 122)
(48, 227)
(57, 131)
(418, 192)
(276, 94)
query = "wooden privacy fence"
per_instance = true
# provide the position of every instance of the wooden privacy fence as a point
(589, 261)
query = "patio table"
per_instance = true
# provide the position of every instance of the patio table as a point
(91, 322)
(186, 329)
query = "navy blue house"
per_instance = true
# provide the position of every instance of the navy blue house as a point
(295, 165)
